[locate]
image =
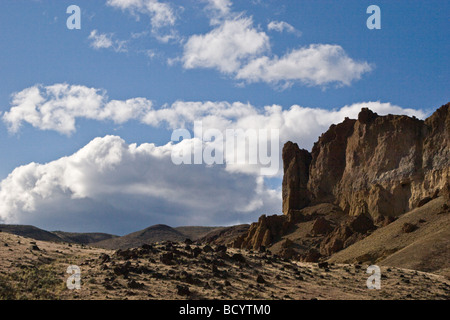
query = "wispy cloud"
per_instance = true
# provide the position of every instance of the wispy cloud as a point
(162, 16)
(218, 10)
(281, 26)
(106, 41)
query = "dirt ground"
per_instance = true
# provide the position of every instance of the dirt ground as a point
(38, 270)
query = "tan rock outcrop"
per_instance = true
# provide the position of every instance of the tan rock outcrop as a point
(346, 234)
(374, 168)
(381, 165)
(295, 180)
(263, 232)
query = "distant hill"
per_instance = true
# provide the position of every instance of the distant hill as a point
(36, 233)
(156, 233)
(30, 232)
(83, 238)
(225, 235)
(195, 233)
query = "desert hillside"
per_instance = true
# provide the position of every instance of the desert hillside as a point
(32, 269)
(418, 240)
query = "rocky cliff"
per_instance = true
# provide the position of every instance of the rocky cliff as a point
(375, 166)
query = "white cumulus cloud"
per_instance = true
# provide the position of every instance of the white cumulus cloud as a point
(57, 107)
(237, 48)
(226, 47)
(318, 64)
(113, 186)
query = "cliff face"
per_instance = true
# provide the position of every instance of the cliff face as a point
(296, 164)
(376, 165)
(375, 168)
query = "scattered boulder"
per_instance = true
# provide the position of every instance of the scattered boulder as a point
(312, 255)
(189, 278)
(260, 279)
(221, 248)
(238, 258)
(135, 285)
(207, 248)
(362, 224)
(222, 255)
(288, 253)
(321, 226)
(104, 258)
(183, 290)
(424, 201)
(122, 270)
(287, 243)
(126, 254)
(383, 221)
(196, 252)
(409, 227)
(167, 258)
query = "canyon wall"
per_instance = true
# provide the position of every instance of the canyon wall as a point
(375, 165)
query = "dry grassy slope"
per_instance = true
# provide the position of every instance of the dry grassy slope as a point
(83, 238)
(27, 273)
(426, 249)
(195, 233)
(224, 235)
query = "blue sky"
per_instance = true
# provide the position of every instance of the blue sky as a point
(316, 55)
